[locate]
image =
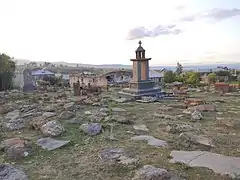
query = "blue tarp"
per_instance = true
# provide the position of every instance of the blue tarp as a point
(42, 72)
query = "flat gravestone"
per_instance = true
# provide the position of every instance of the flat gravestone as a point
(51, 144)
(218, 163)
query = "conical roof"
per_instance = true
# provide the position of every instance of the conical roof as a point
(140, 48)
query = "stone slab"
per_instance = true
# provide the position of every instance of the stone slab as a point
(217, 162)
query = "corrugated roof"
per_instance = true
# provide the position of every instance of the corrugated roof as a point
(42, 72)
(155, 74)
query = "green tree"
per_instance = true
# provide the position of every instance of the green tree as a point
(7, 69)
(169, 77)
(192, 78)
(179, 69)
(212, 78)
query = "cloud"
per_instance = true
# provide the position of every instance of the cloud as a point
(141, 32)
(214, 14)
(180, 7)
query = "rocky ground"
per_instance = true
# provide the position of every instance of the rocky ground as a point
(58, 136)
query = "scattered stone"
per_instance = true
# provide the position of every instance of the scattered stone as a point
(176, 128)
(104, 110)
(37, 122)
(51, 144)
(151, 140)
(200, 108)
(52, 128)
(16, 148)
(91, 129)
(206, 107)
(5, 109)
(9, 172)
(87, 113)
(147, 99)
(120, 119)
(15, 124)
(66, 115)
(121, 100)
(196, 115)
(69, 106)
(217, 162)
(141, 127)
(193, 102)
(196, 139)
(13, 115)
(117, 155)
(148, 172)
(49, 114)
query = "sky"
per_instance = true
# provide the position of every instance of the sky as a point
(107, 31)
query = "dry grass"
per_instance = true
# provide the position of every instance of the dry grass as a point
(79, 159)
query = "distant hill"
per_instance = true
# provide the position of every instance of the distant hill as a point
(116, 66)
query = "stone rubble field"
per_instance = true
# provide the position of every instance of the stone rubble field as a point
(57, 136)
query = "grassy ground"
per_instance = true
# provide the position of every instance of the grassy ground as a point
(80, 161)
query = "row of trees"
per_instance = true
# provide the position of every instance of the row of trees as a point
(189, 77)
(7, 69)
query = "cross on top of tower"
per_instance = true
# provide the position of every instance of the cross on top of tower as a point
(140, 43)
(140, 48)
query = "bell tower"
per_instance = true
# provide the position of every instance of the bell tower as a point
(140, 84)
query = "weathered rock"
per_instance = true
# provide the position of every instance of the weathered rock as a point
(141, 127)
(5, 109)
(117, 155)
(120, 119)
(147, 99)
(52, 128)
(91, 129)
(13, 115)
(38, 122)
(105, 110)
(196, 139)
(16, 148)
(66, 115)
(217, 162)
(69, 106)
(200, 108)
(193, 102)
(87, 113)
(9, 172)
(49, 114)
(51, 144)
(151, 140)
(196, 115)
(15, 124)
(148, 172)
(206, 107)
(179, 128)
(121, 100)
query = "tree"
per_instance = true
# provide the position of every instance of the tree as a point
(169, 77)
(7, 69)
(212, 78)
(192, 78)
(179, 69)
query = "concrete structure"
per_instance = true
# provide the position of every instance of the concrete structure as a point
(141, 85)
(24, 80)
(83, 79)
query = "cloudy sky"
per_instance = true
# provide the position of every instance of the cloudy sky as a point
(108, 31)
